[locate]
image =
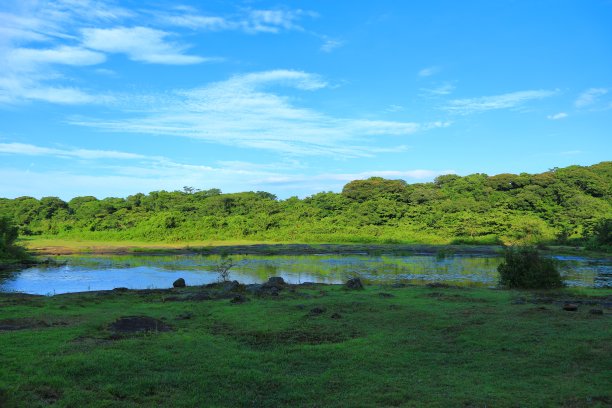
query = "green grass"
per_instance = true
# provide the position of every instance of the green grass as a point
(435, 347)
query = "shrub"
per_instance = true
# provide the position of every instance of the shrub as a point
(10, 252)
(223, 268)
(524, 268)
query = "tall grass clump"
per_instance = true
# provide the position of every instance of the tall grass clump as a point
(524, 268)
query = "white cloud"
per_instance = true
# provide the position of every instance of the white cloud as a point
(68, 96)
(504, 101)
(243, 112)
(441, 90)
(557, 116)
(33, 150)
(139, 44)
(39, 38)
(394, 108)
(429, 71)
(418, 174)
(589, 97)
(272, 21)
(250, 20)
(198, 22)
(31, 57)
(329, 45)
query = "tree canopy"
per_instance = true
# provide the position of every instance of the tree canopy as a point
(571, 204)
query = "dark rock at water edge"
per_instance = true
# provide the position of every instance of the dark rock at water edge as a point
(353, 284)
(276, 281)
(233, 286)
(179, 283)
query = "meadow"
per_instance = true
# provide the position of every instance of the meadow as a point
(307, 345)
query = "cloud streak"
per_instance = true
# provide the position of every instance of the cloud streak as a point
(496, 102)
(251, 21)
(558, 116)
(140, 44)
(590, 97)
(33, 150)
(243, 112)
(132, 173)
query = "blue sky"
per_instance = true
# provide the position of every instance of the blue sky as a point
(111, 98)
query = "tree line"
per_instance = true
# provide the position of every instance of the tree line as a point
(570, 205)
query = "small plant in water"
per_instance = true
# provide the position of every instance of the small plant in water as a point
(523, 267)
(223, 268)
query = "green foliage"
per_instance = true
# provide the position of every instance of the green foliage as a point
(602, 237)
(374, 187)
(524, 268)
(9, 251)
(562, 205)
(8, 234)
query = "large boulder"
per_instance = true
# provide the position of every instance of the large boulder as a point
(179, 283)
(353, 284)
(275, 281)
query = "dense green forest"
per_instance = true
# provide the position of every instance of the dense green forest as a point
(563, 205)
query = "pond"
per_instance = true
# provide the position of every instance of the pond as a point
(102, 272)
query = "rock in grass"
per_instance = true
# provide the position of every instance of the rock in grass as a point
(354, 283)
(317, 311)
(239, 299)
(570, 307)
(276, 281)
(179, 283)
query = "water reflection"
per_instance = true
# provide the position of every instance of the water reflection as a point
(97, 272)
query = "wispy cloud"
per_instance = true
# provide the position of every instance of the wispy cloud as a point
(29, 58)
(330, 45)
(139, 44)
(38, 40)
(589, 97)
(33, 150)
(418, 174)
(440, 90)
(251, 21)
(429, 71)
(557, 116)
(243, 112)
(504, 101)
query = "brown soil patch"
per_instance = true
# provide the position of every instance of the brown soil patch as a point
(27, 323)
(138, 324)
(454, 297)
(312, 335)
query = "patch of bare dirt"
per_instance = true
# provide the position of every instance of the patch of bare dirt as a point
(138, 324)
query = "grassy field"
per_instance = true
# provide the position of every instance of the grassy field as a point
(311, 346)
(46, 245)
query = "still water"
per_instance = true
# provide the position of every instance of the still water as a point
(100, 272)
